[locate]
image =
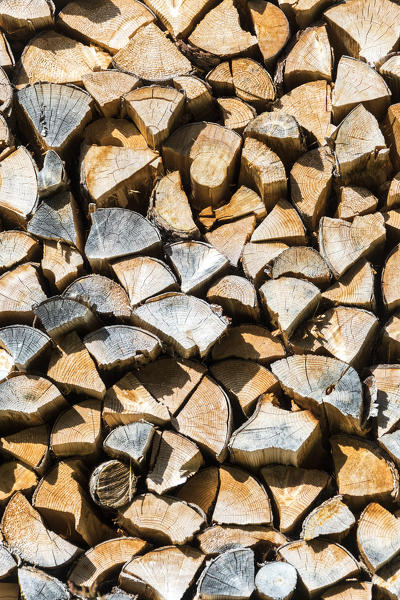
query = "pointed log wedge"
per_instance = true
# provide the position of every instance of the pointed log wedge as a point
(230, 238)
(243, 202)
(25, 344)
(61, 264)
(105, 297)
(302, 262)
(108, 88)
(216, 539)
(34, 583)
(229, 575)
(257, 258)
(196, 264)
(52, 178)
(390, 71)
(59, 316)
(354, 288)
(201, 489)
(251, 342)
(199, 102)
(332, 519)
(282, 223)
(235, 113)
(237, 296)
(21, 290)
(271, 28)
(378, 536)
(7, 60)
(355, 201)
(77, 432)
(18, 187)
(17, 247)
(311, 58)
(276, 581)
(130, 442)
(29, 446)
(16, 477)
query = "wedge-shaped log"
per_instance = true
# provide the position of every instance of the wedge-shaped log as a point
(112, 484)
(319, 564)
(24, 343)
(161, 519)
(165, 573)
(53, 57)
(29, 446)
(170, 209)
(151, 56)
(342, 243)
(73, 369)
(190, 325)
(103, 561)
(210, 428)
(130, 442)
(252, 83)
(59, 316)
(119, 21)
(18, 20)
(311, 183)
(276, 581)
(216, 539)
(117, 232)
(237, 296)
(52, 177)
(387, 379)
(21, 290)
(20, 522)
(355, 201)
(63, 501)
(332, 519)
(39, 401)
(18, 187)
(378, 536)
(257, 258)
(201, 489)
(294, 490)
(105, 297)
(327, 386)
(173, 460)
(220, 33)
(356, 287)
(311, 58)
(199, 102)
(229, 575)
(280, 132)
(54, 114)
(16, 477)
(7, 60)
(17, 247)
(206, 155)
(363, 472)
(302, 262)
(252, 342)
(273, 435)
(244, 201)
(281, 224)
(235, 113)
(77, 432)
(61, 264)
(271, 28)
(107, 88)
(230, 238)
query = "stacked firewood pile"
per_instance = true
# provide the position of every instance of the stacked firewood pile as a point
(199, 299)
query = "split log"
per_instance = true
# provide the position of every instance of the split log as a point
(21, 290)
(302, 262)
(378, 536)
(262, 169)
(206, 155)
(390, 294)
(310, 184)
(363, 472)
(17, 247)
(245, 381)
(357, 28)
(243, 202)
(7, 60)
(162, 519)
(319, 564)
(107, 88)
(229, 575)
(354, 288)
(20, 522)
(230, 238)
(122, 20)
(221, 80)
(52, 177)
(281, 224)
(237, 296)
(280, 132)
(25, 344)
(59, 316)
(327, 386)
(235, 113)
(53, 57)
(199, 102)
(206, 419)
(63, 502)
(112, 484)
(105, 297)
(302, 13)
(257, 258)
(19, 20)
(104, 561)
(117, 232)
(361, 154)
(276, 295)
(170, 210)
(130, 442)
(342, 243)
(34, 583)
(174, 459)
(39, 401)
(390, 72)
(220, 33)
(196, 264)
(252, 83)
(354, 202)
(201, 489)
(219, 538)
(58, 218)
(294, 490)
(271, 28)
(251, 342)
(357, 82)
(151, 56)
(354, 590)
(311, 59)
(332, 519)
(18, 187)
(128, 401)
(30, 446)
(77, 432)
(143, 277)
(16, 477)
(6, 103)
(165, 573)
(387, 379)
(54, 115)
(310, 104)
(273, 435)
(171, 380)
(61, 264)
(73, 370)
(276, 581)
(190, 325)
